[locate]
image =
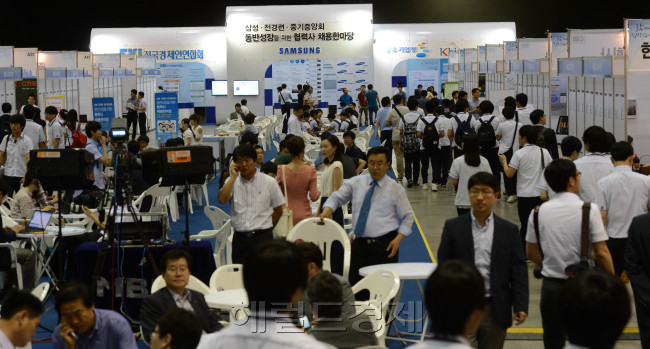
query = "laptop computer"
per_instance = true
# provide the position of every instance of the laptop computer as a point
(38, 222)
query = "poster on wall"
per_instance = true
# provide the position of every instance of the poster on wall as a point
(85, 62)
(104, 111)
(56, 101)
(639, 42)
(24, 88)
(450, 87)
(67, 59)
(559, 90)
(6, 56)
(26, 58)
(559, 48)
(427, 72)
(596, 42)
(186, 79)
(166, 117)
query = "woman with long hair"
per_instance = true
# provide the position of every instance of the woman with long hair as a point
(300, 179)
(195, 124)
(463, 168)
(332, 177)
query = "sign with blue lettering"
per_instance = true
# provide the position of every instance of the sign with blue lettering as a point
(166, 116)
(11, 73)
(75, 73)
(597, 66)
(639, 51)
(104, 111)
(569, 66)
(119, 72)
(55, 73)
(105, 72)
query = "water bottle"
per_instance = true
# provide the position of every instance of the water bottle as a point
(636, 164)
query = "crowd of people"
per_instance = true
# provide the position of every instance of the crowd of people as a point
(582, 222)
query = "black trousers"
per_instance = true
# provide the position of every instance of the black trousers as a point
(285, 108)
(132, 119)
(14, 182)
(445, 163)
(142, 122)
(492, 156)
(510, 183)
(387, 136)
(285, 124)
(370, 251)
(242, 242)
(430, 156)
(524, 206)
(554, 336)
(412, 163)
(457, 152)
(617, 250)
(643, 319)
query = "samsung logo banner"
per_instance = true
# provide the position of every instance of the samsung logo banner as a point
(299, 50)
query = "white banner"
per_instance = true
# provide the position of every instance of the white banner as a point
(532, 48)
(559, 48)
(106, 61)
(85, 61)
(639, 41)
(52, 59)
(594, 43)
(26, 58)
(6, 56)
(494, 53)
(471, 55)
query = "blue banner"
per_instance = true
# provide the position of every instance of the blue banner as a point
(105, 72)
(55, 73)
(598, 67)
(75, 73)
(531, 67)
(119, 72)
(516, 66)
(11, 73)
(166, 117)
(569, 67)
(104, 111)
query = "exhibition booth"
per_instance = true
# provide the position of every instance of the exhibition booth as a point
(580, 78)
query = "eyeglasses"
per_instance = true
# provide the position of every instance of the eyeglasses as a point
(474, 192)
(376, 164)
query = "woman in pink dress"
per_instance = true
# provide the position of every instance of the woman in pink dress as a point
(301, 181)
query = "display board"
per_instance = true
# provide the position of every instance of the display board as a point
(6, 56)
(104, 111)
(26, 58)
(56, 101)
(559, 48)
(596, 42)
(532, 48)
(639, 45)
(186, 79)
(166, 117)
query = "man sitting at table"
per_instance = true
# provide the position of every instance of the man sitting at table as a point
(275, 276)
(176, 266)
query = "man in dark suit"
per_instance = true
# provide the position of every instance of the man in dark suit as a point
(637, 265)
(493, 245)
(176, 266)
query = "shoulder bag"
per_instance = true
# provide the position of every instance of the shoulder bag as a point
(285, 224)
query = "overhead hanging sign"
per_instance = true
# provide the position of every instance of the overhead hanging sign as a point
(639, 45)
(11, 73)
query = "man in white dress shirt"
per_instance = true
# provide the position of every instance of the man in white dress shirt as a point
(455, 298)
(255, 202)
(33, 130)
(622, 195)
(380, 220)
(21, 314)
(294, 125)
(596, 164)
(275, 277)
(31, 100)
(523, 112)
(54, 129)
(244, 106)
(558, 246)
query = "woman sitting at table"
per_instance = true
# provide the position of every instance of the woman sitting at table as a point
(29, 198)
(301, 181)
(332, 176)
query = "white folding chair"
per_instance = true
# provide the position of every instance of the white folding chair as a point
(377, 319)
(41, 290)
(220, 237)
(216, 216)
(227, 277)
(323, 235)
(194, 284)
(383, 286)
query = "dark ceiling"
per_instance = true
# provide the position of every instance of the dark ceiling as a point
(66, 25)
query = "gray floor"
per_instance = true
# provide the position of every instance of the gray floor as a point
(433, 208)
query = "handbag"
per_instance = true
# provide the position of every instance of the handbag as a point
(285, 224)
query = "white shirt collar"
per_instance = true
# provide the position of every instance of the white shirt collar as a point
(623, 168)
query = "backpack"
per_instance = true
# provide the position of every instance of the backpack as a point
(410, 141)
(430, 135)
(79, 139)
(338, 123)
(487, 138)
(5, 129)
(464, 128)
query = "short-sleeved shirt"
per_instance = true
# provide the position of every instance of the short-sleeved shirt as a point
(461, 171)
(508, 134)
(444, 125)
(16, 151)
(593, 167)
(335, 125)
(294, 126)
(347, 99)
(624, 195)
(363, 101)
(252, 202)
(55, 131)
(401, 93)
(371, 95)
(524, 116)
(142, 104)
(395, 119)
(93, 147)
(35, 132)
(560, 222)
(476, 123)
(473, 105)
(528, 163)
(382, 114)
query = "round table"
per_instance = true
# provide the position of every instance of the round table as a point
(405, 271)
(53, 231)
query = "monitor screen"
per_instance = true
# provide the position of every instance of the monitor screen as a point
(246, 87)
(219, 87)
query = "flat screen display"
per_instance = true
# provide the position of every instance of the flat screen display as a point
(246, 87)
(220, 87)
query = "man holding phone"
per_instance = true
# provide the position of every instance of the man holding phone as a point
(255, 202)
(82, 326)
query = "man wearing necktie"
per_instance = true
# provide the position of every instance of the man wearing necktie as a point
(381, 213)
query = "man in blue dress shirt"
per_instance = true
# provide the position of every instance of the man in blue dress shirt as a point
(82, 326)
(380, 219)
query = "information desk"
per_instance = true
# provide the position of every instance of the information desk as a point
(136, 278)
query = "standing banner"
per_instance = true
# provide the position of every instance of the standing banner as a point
(166, 117)
(104, 111)
(55, 101)
(639, 45)
(24, 88)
